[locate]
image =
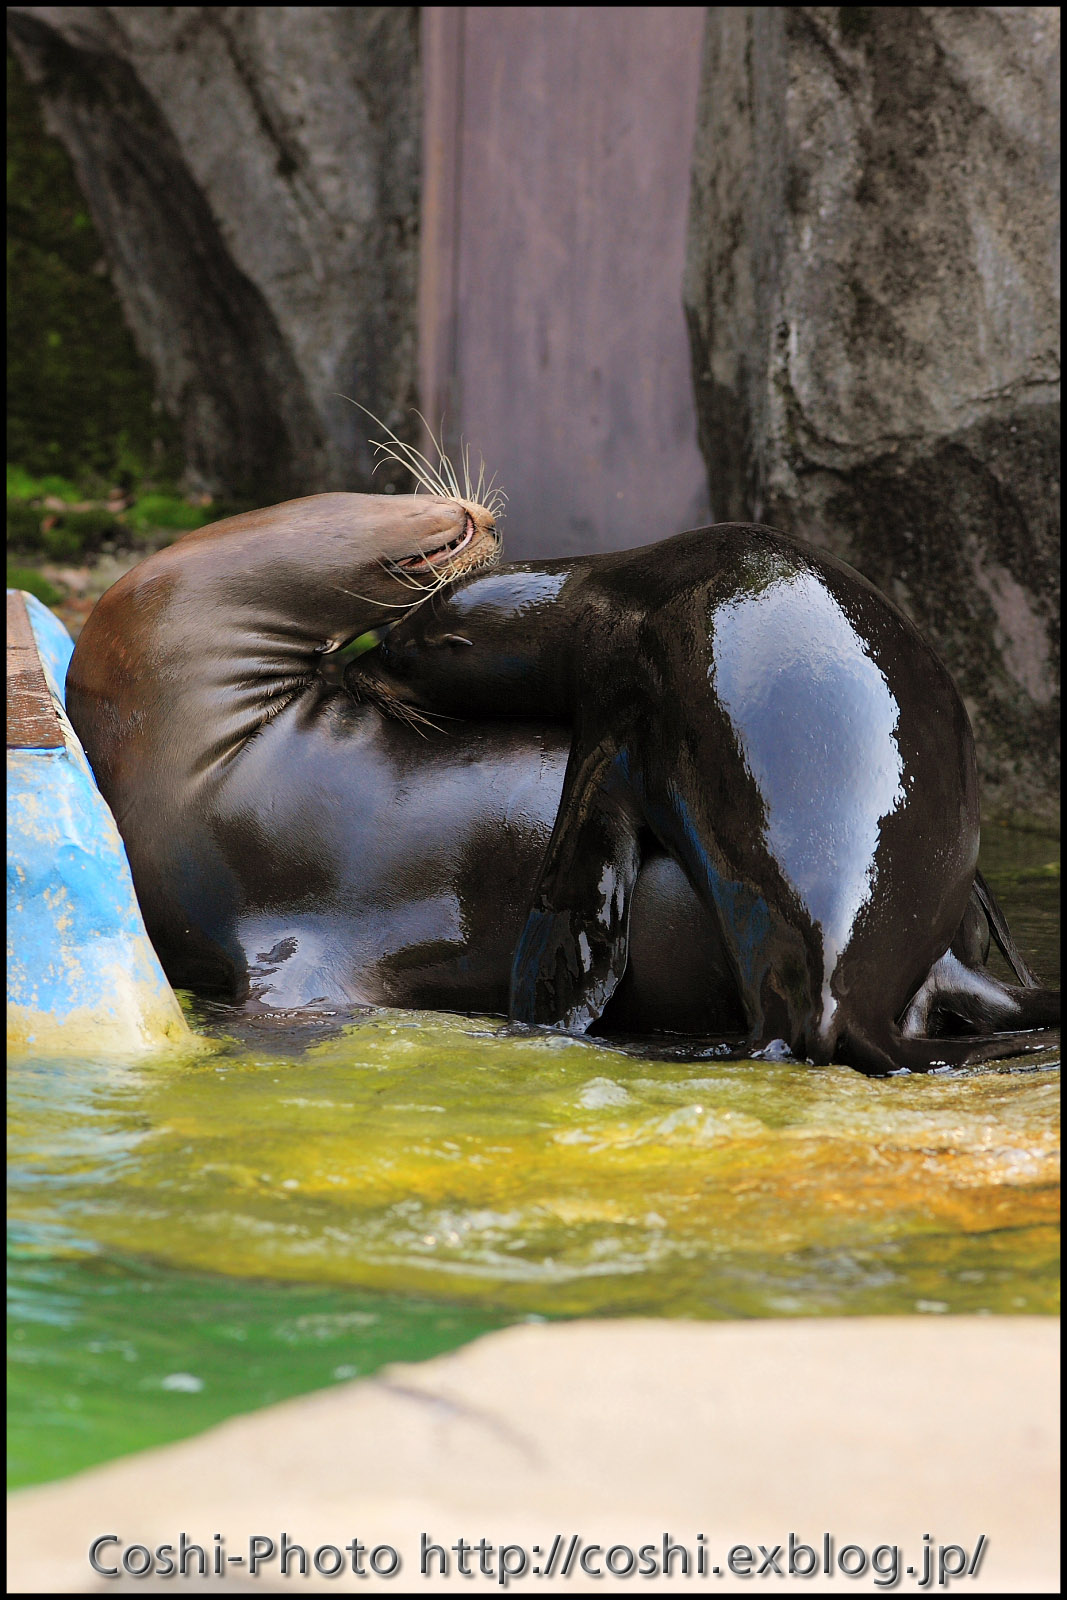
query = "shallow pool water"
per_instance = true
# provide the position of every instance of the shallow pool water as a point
(408, 1179)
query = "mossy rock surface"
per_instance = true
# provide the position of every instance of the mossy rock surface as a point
(51, 518)
(154, 511)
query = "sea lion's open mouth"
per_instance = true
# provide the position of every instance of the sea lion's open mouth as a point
(429, 559)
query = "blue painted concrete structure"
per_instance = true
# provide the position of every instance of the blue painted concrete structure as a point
(82, 974)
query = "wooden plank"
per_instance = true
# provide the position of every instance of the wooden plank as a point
(562, 268)
(32, 722)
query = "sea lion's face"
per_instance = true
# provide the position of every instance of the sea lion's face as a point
(374, 557)
(411, 547)
(427, 541)
(258, 589)
(465, 652)
(332, 564)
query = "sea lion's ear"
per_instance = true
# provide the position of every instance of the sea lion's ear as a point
(575, 944)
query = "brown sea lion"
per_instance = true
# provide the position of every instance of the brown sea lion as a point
(292, 848)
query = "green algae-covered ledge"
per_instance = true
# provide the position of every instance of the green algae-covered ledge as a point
(82, 977)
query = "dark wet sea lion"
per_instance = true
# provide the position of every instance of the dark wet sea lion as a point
(291, 847)
(778, 727)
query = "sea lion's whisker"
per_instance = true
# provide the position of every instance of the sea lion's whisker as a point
(400, 713)
(369, 691)
(388, 605)
(406, 579)
(416, 463)
(443, 473)
(415, 717)
(444, 465)
(443, 479)
(449, 472)
(436, 579)
(404, 454)
(481, 491)
(495, 498)
(425, 476)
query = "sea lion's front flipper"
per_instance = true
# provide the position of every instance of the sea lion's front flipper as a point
(574, 946)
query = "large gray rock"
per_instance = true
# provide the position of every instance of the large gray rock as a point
(253, 172)
(873, 295)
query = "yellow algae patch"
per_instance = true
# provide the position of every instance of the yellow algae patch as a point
(133, 1017)
(419, 1152)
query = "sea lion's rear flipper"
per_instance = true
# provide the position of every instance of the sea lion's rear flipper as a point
(1002, 933)
(574, 946)
(879, 1053)
(958, 999)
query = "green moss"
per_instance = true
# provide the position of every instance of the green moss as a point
(22, 485)
(23, 526)
(40, 525)
(81, 400)
(92, 527)
(167, 511)
(60, 535)
(61, 543)
(33, 583)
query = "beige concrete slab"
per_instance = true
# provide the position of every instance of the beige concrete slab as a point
(877, 1431)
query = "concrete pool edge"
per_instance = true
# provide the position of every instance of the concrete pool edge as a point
(875, 1430)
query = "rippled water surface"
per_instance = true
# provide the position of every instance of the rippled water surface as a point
(302, 1205)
